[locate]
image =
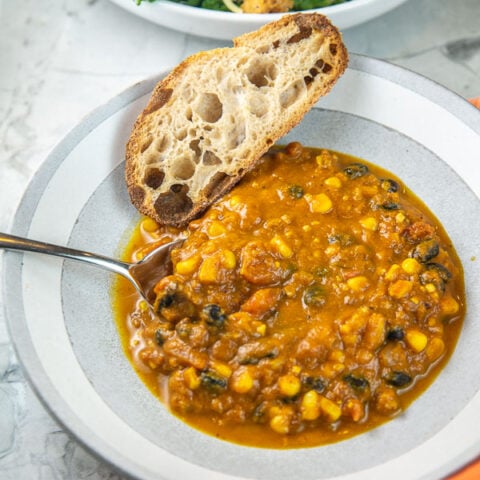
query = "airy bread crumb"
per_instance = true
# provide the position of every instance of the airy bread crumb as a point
(211, 119)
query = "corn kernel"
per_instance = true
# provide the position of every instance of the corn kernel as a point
(189, 265)
(228, 259)
(333, 182)
(289, 385)
(149, 225)
(400, 288)
(208, 272)
(358, 283)
(392, 272)
(411, 266)
(330, 409)
(235, 200)
(320, 203)
(282, 248)
(143, 306)
(369, 223)
(261, 329)
(192, 380)
(242, 381)
(416, 339)
(307, 228)
(310, 406)
(430, 288)
(222, 369)
(435, 348)
(399, 217)
(337, 356)
(274, 411)
(216, 229)
(449, 306)
(296, 369)
(280, 424)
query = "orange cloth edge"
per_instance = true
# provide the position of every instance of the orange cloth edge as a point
(475, 101)
(471, 471)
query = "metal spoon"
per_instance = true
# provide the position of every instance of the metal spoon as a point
(144, 275)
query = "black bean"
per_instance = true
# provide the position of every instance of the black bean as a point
(214, 315)
(442, 271)
(355, 170)
(314, 295)
(398, 379)
(160, 337)
(295, 191)
(314, 383)
(436, 274)
(395, 334)
(389, 206)
(358, 383)
(425, 251)
(166, 301)
(259, 413)
(213, 382)
(344, 239)
(391, 186)
(255, 359)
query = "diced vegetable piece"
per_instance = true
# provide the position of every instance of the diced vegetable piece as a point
(400, 288)
(262, 301)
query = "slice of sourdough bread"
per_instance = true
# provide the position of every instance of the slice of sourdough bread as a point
(211, 119)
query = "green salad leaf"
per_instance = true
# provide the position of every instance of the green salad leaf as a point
(219, 5)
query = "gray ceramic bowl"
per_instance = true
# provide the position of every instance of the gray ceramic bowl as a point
(60, 317)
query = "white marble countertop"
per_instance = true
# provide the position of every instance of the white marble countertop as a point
(61, 58)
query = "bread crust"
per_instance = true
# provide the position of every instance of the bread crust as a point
(211, 119)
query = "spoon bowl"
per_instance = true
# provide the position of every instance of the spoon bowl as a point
(144, 275)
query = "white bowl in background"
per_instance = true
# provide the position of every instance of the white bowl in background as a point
(227, 25)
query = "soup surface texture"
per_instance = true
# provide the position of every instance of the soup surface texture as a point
(313, 302)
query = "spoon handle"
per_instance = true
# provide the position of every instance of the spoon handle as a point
(11, 242)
